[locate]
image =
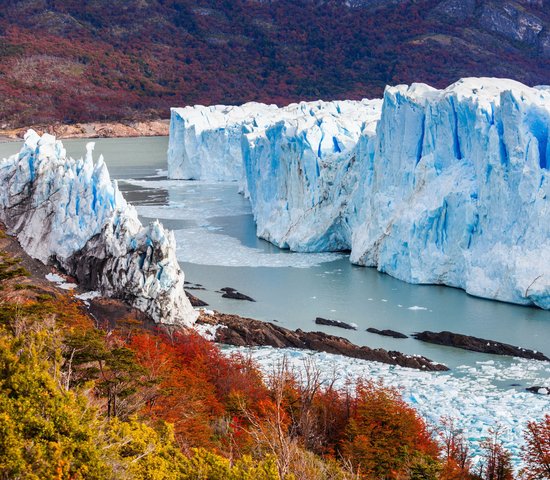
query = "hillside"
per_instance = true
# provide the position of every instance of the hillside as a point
(69, 61)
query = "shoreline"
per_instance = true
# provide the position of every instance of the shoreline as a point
(150, 128)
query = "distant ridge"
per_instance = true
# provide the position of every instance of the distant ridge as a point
(73, 61)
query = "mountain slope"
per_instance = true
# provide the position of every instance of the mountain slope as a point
(78, 61)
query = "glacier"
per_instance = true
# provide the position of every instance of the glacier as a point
(430, 186)
(69, 214)
(205, 142)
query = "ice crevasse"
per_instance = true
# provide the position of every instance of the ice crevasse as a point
(68, 213)
(430, 186)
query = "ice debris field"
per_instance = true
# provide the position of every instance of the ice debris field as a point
(430, 186)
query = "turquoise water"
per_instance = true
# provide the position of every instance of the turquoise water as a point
(217, 247)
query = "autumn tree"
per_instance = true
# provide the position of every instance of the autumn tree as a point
(455, 452)
(497, 462)
(117, 375)
(536, 453)
(386, 439)
(45, 431)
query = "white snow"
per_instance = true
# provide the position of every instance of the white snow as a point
(208, 332)
(69, 213)
(430, 186)
(60, 281)
(55, 278)
(88, 295)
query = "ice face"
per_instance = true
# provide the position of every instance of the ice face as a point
(69, 213)
(205, 142)
(459, 194)
(430, 186)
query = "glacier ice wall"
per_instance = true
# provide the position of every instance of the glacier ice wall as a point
(69, 213)
(430, 186)
(205, 142)
(459, 193)
(299, 174)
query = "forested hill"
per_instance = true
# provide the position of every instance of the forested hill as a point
(83, 60)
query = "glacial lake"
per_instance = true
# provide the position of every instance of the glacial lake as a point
(217, 247)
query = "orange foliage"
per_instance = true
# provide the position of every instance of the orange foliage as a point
(536, 454)
(196, 386)
(385, 436)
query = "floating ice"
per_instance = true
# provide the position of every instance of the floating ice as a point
(472, 399)
(199, 246)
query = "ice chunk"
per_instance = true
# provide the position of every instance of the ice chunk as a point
(69, 213)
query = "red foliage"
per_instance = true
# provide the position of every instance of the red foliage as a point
(536, 453)
(196, 386)
(82, 61)
(386, 437)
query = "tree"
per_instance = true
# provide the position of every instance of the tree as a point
(113, 368)
(45, 431)
(536, 453)
(457, 463)
(386, 439)
(497, 463)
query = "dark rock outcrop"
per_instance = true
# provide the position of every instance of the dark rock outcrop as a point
(334, 323)
(195, 301)
(512, 22)
(475, 344)
(387, 333)
(241, 331)
(233, 294)
(539, 390)
(455, 9)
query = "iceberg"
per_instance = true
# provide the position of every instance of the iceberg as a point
(430, 186)
(68, 213)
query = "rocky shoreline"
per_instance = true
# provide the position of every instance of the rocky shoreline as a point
(152, 128)
(247, 332)
(475, 344)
